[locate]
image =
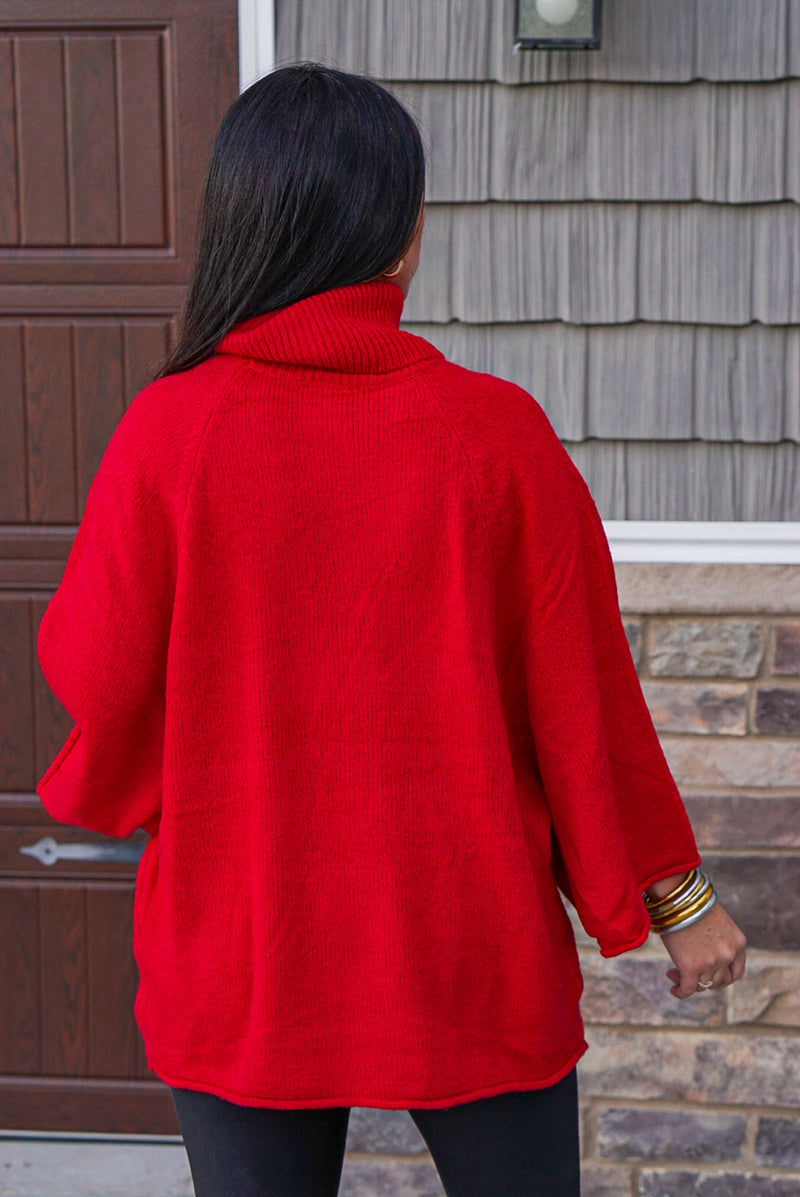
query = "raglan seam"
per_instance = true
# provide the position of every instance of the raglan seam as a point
(223, 395)
(453, 430)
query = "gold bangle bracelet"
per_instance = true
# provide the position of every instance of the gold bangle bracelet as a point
(688, 898)
(697, 896)
(661, 908)
(674, 893)
(690, 907)
(687, 882)
(677, 917)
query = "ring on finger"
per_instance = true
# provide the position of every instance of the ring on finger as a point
(705, 984)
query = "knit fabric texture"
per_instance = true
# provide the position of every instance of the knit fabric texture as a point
(340, 629)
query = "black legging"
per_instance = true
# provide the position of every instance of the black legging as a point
(519, 1144)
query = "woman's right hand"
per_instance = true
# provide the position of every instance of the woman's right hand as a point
(712, 949)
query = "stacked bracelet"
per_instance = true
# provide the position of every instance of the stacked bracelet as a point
(687, 903)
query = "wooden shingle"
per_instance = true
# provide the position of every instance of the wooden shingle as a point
(723, 143)
(691, 480)
(609, 263)
(677, 382)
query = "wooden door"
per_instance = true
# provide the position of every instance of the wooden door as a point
(107, 113)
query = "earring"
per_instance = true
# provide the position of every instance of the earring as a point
(397, 269)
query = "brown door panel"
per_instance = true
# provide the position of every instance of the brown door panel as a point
(107, 114)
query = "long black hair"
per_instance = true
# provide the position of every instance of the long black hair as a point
(316, 180)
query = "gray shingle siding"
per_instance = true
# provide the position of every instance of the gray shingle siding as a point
(651, 41)
(617, 231)
(609, 264)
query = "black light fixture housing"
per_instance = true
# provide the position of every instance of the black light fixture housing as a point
(557, 25)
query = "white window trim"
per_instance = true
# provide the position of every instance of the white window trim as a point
(256, 40)
(704, 541)
(630, 540)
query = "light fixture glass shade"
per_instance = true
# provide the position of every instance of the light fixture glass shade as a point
(558, 24)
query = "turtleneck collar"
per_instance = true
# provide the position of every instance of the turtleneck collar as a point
(353, 329)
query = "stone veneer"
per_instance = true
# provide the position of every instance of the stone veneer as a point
(700, 1096)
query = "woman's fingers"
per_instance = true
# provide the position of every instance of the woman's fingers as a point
(738, 966)
(720, 978)
(710, 950)
(685, 981)
(687, 985)
(693, 982)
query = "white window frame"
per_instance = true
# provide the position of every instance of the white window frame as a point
(256, 40)
(630, 540)
(704, 541)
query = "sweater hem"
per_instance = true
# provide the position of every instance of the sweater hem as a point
(366, 1101)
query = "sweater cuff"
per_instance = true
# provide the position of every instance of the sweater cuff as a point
(685, 866)
(616, 949)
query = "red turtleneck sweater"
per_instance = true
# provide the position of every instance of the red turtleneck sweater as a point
(340, 629)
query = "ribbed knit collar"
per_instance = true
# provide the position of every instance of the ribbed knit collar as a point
(352, 329)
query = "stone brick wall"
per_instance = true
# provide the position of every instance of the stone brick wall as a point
(703, 1096)
(699, 1096)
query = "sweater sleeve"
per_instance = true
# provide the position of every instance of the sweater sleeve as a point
(617, 817)
(103, 639)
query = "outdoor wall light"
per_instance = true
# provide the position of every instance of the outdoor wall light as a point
(557, 25)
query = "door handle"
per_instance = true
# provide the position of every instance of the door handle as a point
(48, 852)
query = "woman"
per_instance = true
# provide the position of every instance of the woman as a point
(340, 630)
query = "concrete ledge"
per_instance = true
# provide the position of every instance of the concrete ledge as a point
(646, 588)
(36, 1168)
